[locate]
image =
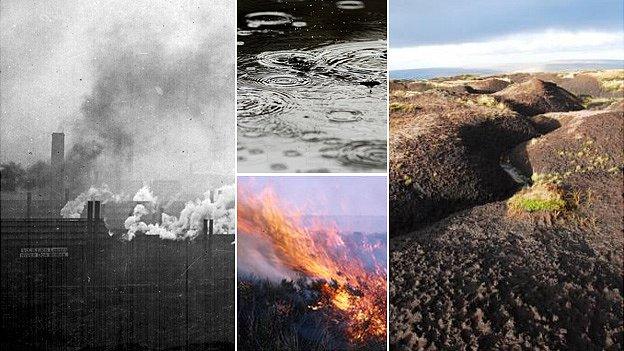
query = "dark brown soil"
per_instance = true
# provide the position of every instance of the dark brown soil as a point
(397, 85)
(580, 84)
(536, 96)
(479, 280)
(586, 154)
(445, 156)
(487, 86)
(484, 277)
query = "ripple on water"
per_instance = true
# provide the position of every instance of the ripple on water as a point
(249, 32)
(292, 153)
(344, 115)
(268, 18)
(278, 167)
(356, 60)
(258, 112)
(350, 5)
(283, 80)
(360, 153)
(312, 136)
(258, 102)
(301, 61)
(256, 151)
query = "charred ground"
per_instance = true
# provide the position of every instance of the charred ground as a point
(292, 315)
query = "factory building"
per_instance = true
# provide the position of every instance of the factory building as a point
(76, 284)
(91, 288)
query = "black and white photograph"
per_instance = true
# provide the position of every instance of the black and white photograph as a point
(118, 195)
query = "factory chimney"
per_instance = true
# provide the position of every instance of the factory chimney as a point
(57, 161)
(96, 210)
(90, 210)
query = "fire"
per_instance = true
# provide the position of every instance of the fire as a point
(341, 299)
(318, 251)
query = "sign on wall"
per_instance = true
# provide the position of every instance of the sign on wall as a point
(43, 252)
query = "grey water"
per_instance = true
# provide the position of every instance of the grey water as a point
(312, 86)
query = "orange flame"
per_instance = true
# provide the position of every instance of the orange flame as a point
(315, 251)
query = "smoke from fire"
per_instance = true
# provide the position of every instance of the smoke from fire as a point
(281, 240)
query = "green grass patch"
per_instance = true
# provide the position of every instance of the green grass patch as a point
(540, 197)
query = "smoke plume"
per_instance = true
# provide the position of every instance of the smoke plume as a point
(75, 207)
(191, 219)
(143, 89)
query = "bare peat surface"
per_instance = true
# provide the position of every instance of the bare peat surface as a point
(494, 269)
(311, 86)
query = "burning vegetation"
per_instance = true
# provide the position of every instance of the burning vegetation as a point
(334, 294)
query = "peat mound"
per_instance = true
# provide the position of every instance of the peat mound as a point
(597, 84)
(397, 85)
(536, 96)
(419, 86)
(445, 157)
(547, 122)
(481, 280)
(585, 156)
(487, 86)
(580, 83)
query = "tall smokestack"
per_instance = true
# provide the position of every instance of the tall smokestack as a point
(90, 210)
(57, 161)
(96, 210)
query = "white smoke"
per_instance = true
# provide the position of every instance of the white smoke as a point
(148, 203)
(145, 195)
(74, 208)
(191, 220)
(134, 223)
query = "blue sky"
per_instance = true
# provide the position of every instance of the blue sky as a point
(498, 32)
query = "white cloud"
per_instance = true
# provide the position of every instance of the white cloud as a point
(522, 48)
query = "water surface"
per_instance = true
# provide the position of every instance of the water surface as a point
(312, 86)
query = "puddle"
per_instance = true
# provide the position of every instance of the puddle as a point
(350, 5)
(268, 18)
(312, 86)
(341, 116)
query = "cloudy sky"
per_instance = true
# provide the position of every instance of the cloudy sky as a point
(488, 33)
(172, 57)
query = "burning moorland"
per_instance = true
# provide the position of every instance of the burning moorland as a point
(306, 281)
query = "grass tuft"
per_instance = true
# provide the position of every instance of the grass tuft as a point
(483, 100)
(540, 197)
(402, 107)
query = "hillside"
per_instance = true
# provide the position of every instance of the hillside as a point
(506, 211)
